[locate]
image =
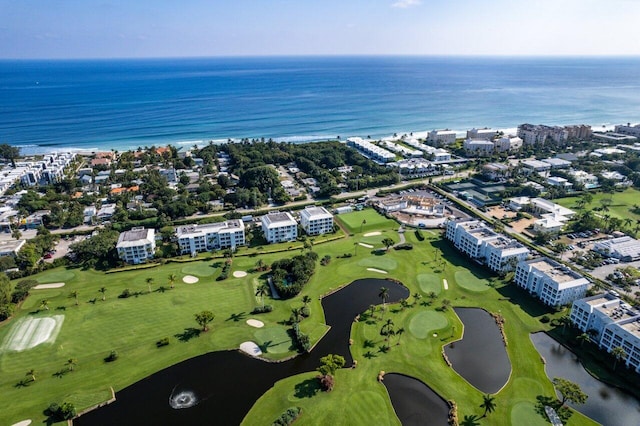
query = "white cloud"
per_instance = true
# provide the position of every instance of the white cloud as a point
(403, 4)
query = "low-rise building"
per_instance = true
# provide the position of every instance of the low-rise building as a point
(557, 163)
(551, 282)
(441, 137)
(585, 179)
(559, 182)
(624, 248)
(279, 227)
(628, 130)
(11, 247)
(611, 322)
(211, 236)
(478, 147)
(475, 239)
(370, 150)
(530, 166)
(507, 143)
(137, 245)
(316, 220)
(482, 134)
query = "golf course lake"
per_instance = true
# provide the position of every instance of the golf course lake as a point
(480, 357)
(221, 387)
(605, 404)
(414, 402)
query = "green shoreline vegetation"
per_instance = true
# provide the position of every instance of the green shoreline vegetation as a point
(95, 329)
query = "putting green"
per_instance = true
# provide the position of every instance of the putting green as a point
(59, 276)
(375, 240)
(199, 269)
(467, 280)
(424, 322)
(364, 409)
(274, 340)
(379, 262)
(430, 283)
(524, 413)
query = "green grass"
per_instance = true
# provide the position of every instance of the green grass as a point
(353, 221)
(132, 327)
(467, 280)
(200, 269)
(56, 276)
(621, 203)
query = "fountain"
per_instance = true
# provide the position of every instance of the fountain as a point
(184, 399)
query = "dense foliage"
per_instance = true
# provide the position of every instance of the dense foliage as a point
(98, 251)
(290, 275)
(288, 417)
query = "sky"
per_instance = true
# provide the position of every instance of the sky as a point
(163, 28)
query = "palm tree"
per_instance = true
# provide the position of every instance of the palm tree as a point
(32, 373)
(627, 222)
(618, 354)
(384, 295)
(399, 333)
(470, 420)
(262, 291)
(149, 283)
(564, 321)
(74, 295)
(584, 337)
(44, 304)
(364, 222)
(387, 330)
(488, 403)
(71, 363)
(296, 315)
(306, 300)
(172, 280)
(417, 296)
(103, 290)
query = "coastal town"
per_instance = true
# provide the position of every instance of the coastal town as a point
(546, 219)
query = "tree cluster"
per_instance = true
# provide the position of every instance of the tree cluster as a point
(290, 275)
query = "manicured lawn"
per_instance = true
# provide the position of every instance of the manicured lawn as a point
(621, 203)
(374, 221)
(132, 327)
(56, 276)
(200, 269)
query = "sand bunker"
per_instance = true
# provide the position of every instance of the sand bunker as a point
(250, 348)
(190, 279)
(372, 234)
(45, 286)
(239, 274)
(28, 333)
(255, 323)
(23, 423)
(445, 284)
(366, 245)
(377, 270)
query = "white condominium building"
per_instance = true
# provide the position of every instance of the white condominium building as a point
(211, 236)
(483, 134)
(612, 322)
(441, 137)
(475, 239)
(316, 220)
(370, 150)
(279, 227)
(137, 245)
(551, 282)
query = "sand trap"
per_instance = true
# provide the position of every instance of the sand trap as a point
(23, 423)
(239, 274)
(377, 270)
(31, 332)
(445, 284)
(255, 323)
(366, 245)
(45, 286)
(190, 279)
(250, 348)
(372, 234)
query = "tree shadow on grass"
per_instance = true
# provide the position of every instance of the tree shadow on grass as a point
(23, 383)
(188, 334)
(237, 317)
(369, 343)
(370, 355)
(61, 373)
(307, 388)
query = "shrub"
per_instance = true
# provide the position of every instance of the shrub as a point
(347, 255)
(419, 235)
(64, 411)
(126, 293)
(22, 290)
(113, 355)
(162, 342)
(262, 309)
(287, 417)
(300, 339)
(545, 319)
(405, 246)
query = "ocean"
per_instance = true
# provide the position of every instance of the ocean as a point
(124, 104)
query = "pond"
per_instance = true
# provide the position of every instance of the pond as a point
(480, 357)
(221, 387)
(606, 404)
(414, 402)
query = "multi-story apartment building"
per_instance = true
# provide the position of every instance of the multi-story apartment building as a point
(551, 282)
(441, 137)
(507, 143)
(612, 323)
(211, 236)
(137, 245)
(539, 134)
(482, 134)
(475, 239)
(478, 147)
(279, 227)
(370, 150)
(628, 130)
(316, 220)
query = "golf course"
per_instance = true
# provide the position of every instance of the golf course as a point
(62, 353)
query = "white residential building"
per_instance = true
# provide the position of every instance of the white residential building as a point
(628, 130)
(507, 143)
(612, 322)
(11, 247)
(478, 147)
(475, 239)
(316, 220)
(585, 179)
(370, 150)
(482, 134)
(137, 245)
(211, 236)
(279, 227)
(551, 282)
(559, 182)
(436, 154)
(441, 137)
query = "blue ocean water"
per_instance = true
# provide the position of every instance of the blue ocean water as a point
(121, 104)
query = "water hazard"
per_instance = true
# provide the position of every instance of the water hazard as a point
(414, 402)
(222, 386)
(480, 357)
(606, 404)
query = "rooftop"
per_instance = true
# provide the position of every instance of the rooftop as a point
(557, 272)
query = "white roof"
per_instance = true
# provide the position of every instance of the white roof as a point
(314, 213)
(278, 219)
(136, 237)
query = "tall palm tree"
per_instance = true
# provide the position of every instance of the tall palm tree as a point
(103, 290)
(364, 222)
(296, 315)
(306, 300)
(384, 295)
(172, 280)
(44, 304)
(149, 283)
(387, 331)
(399, 333)
(71, 363)
(488, 403)
(262, 291)
(74, 295)
(619, 354)
(32, 373)
(584, 337)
